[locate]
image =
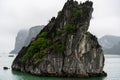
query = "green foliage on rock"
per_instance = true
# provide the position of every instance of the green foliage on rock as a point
(37, 56)
(59, 47)
(43, 34)
(37, 46)
(70, 28)
(59, 32)
(41, 43)
(76, 14)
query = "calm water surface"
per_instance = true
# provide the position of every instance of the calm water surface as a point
(112, 67)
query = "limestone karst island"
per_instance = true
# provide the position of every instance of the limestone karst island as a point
(64, 47)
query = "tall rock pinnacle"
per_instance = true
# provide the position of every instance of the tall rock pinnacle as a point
(64, 47)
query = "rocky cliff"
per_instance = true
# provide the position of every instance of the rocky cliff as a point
(64, 47)
(24, 37)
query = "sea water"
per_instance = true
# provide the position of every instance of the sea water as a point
(112, 67)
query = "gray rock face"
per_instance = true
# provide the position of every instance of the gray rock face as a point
(82, 55)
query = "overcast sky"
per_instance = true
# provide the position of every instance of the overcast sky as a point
(23, 14)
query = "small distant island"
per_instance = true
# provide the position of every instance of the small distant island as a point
(64, 47)
(110, 44)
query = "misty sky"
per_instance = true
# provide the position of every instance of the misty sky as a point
(23, 14)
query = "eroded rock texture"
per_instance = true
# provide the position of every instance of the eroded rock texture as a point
(64, 47)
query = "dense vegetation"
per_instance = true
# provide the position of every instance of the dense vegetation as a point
(40, 47)
(69, 28)
(59, 47)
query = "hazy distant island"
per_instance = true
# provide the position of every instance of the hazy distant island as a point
(64, 47)
(110, 44)
(24, 37)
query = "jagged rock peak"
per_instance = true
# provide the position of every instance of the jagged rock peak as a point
(71, 2)
(74, 14)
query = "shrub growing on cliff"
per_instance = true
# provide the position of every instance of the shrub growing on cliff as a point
(43, 34)
(70, 28)
(41, 43)
(37, 57)
(36, 47)
(59, 47)
(77, 14)
(59, 32)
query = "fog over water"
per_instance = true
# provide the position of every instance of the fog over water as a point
(23, 14)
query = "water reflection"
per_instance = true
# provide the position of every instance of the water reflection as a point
(24, 76)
